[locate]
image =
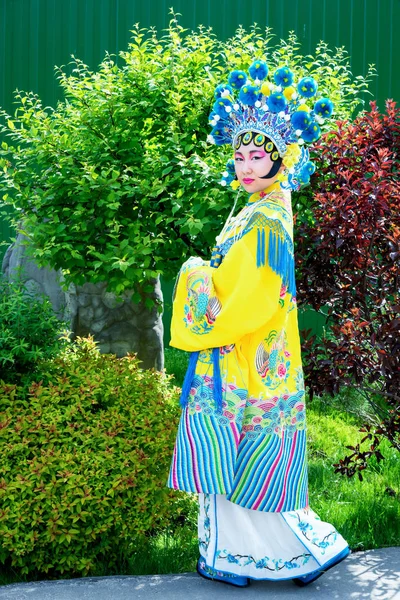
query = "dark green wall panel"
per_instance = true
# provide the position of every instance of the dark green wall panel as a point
(38, 34)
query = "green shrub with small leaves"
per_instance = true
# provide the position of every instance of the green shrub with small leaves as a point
(117, 183)
(85, 455)
(29, 331)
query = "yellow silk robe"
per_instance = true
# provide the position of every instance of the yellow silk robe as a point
(242, 429)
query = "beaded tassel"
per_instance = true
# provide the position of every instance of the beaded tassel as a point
(278, 256)
(187, 384)
(217, 380)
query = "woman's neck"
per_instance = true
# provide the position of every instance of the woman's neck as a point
(261, 194)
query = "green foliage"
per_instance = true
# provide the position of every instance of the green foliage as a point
(176, 364)
(172, 551)
(29, 331)
(366, 513)
(117, 183)
(84, 463)
(303, 210)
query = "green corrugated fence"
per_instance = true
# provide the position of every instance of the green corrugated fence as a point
(35, 35)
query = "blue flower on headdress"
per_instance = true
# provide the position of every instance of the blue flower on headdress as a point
(299, 176)
(283, 77)
(221, 88)
(307, 87)
(276, 102)
(312, 133)
(300, 120)
(303, 178)
(237, 79)
(258, 70)
(220, 106)
(249, 95)
(218, 135)
(309, 168)
(230, 167)
(323, 107)
(229, 174)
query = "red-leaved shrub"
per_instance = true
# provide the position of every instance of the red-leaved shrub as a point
(349, 266)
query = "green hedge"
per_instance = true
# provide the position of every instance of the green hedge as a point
(84, 462)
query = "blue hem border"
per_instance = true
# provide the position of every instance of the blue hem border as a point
(322, 568)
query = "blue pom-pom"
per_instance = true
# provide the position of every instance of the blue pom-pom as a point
(222, 87)
(312, 133)
(303, 177)
(230, 166)
(219, 136)
(229, 174)
(249, 95)
(276, 102)
(221, 105)
(300, 120)
(258, 70)
(237, 79)
(283, 77)
(323, 107)
(309, 168)
(307, 87)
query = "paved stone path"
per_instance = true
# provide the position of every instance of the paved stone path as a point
(373, 575)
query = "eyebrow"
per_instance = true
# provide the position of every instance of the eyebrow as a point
(251, 152)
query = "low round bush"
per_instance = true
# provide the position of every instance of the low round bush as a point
(84, 462)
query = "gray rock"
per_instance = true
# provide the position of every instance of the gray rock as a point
(86, 316)
(105, 348)
(33, 287)
(92, 288)
(100, 312)
(122, 349)
(119, 325)
(98, 326)
(17, 265)
(84, 299)
(96, 300)
(110, 300)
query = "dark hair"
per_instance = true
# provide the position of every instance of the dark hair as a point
(261, 140)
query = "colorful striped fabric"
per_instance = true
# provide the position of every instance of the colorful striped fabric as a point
(271, 474)
(204, 456)
(268, 473)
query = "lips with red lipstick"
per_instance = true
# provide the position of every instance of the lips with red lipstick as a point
(247, 181)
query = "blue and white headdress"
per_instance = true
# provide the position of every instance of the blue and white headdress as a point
(289, 115)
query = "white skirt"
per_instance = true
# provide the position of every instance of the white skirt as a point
(261, 545)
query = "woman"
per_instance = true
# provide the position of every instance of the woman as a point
(241, 443)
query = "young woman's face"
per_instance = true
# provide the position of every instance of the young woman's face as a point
(252, 163)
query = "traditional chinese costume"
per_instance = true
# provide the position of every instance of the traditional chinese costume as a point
(241, 442)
